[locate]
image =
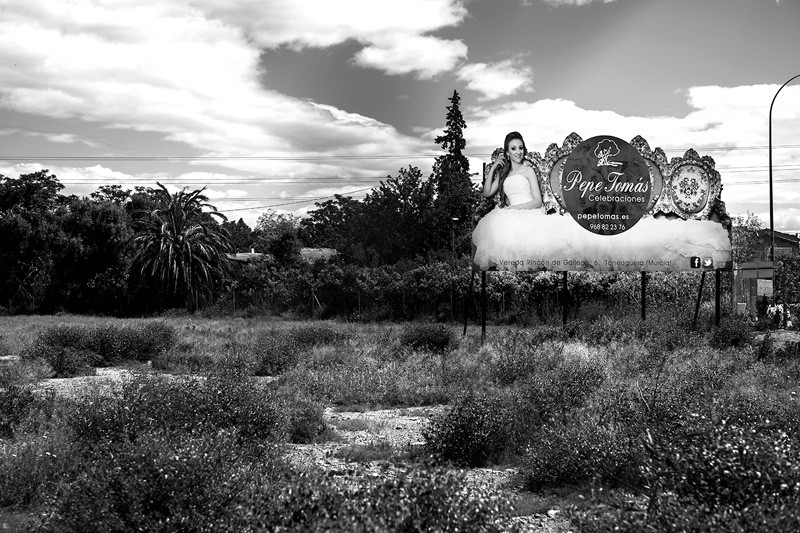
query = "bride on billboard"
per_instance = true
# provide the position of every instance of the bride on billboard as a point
(508, 235)
(513, 180)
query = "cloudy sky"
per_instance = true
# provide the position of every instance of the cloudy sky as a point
(277, 103)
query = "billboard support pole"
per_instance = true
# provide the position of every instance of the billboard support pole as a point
(564, 299)
(718, 284)
(699, 297)
(467, 298)
(644, 296)
(483, 306)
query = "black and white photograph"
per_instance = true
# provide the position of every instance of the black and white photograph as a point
(525, 266)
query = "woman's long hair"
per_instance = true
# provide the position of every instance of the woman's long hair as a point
(506, 169)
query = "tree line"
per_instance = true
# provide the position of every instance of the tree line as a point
(132, 252)
(403, 251)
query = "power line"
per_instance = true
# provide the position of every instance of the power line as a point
(294, 158)
(350, 179)
(292, 203)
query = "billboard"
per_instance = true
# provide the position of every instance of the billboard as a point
(608, 205)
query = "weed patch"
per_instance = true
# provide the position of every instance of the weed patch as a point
(430, 337)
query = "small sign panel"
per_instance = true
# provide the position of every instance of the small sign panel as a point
(606, 185)
(764, 287)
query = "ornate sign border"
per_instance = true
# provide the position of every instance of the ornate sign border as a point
(688, 186)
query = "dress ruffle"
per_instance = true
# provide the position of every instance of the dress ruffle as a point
(520, 239)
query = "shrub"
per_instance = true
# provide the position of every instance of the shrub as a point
(180, 405)
(161, 483)
(605, 330)
(68, 362)
(29, 469)
(558, 392)
(479, 428)
(275, 352)
(20, 373)
(732, 467)
(18, 406)
(306, 421)
(519, 356)
(766, 350)
(67, 347)
(316, 335)
(726, 478)
(150, 339)
(415, 499)
(733, 332)
(431, 337)
(578, 452)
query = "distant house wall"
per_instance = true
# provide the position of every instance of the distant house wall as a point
(786, 245)
(246, 257)
(314, 254)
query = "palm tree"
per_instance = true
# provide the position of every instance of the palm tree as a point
(180, 247)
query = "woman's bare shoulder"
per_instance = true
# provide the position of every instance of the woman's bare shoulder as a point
(529, 172)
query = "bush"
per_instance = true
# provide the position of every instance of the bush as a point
(275, 352)
(149, 340)
(161, 483)
(68, 347)
(519, 354)
(18, 406)
(732, 467)
(431, 337)
(316, 335)
(556, 393)
(415, 499)
(29, 469)
(479, 428)
(180, 405)
(725, 478)
(579, 452)
(733, 332)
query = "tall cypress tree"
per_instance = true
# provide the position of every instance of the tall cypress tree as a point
(456, 196)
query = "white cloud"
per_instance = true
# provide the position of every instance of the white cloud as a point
(215, 194)
(54, 137)
(175, 70)
(395, 33)
(575, 2)
(496, 80)
(402, 54)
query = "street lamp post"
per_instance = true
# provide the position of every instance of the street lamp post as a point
(771, 215)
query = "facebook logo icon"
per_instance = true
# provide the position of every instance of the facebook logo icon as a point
(694, 262)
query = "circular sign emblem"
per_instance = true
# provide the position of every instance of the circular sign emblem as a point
(606, 185)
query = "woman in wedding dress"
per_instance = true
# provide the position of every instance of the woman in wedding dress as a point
(503, 235)
(515, 181)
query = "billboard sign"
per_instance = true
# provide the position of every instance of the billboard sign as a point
(609, 205)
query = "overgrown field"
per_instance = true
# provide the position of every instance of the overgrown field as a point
(637, 426)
